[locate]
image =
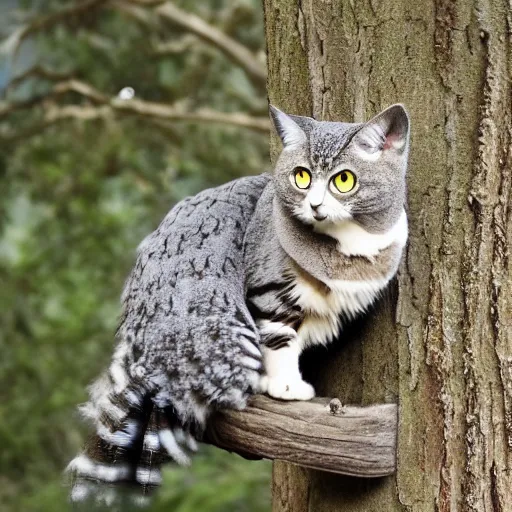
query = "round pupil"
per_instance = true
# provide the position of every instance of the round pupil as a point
(343, 176)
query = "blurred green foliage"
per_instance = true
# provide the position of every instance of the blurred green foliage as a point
(75, 200)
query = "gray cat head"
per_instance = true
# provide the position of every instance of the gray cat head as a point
(330, 172)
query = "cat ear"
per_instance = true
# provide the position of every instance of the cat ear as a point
(387, 131)
(289, 131)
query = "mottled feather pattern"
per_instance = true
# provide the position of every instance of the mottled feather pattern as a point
(187, 345)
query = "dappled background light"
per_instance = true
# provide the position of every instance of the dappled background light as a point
(109, 115)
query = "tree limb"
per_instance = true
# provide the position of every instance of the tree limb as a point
(72, 85)
(235, 51)
(40, 72)
(148, 3)
(105, 106)
(12, 43)
(174, 47)
(161, 111)
(140, 14)
(73, 112)
(82, 88)
(356, 441)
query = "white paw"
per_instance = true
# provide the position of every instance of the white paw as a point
(286, 388)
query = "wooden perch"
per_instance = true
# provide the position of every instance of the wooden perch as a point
(320, 434)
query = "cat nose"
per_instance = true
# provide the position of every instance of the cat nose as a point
(316, 195)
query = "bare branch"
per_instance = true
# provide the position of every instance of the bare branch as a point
(149, 3)
(147, 19)
(40, 72)
(174, 47)
(79, 112)
(58, 89)
(356, 441)
(12, 43)
(233, 14)
(56, 115)
(235, 51)
(159, 110)
(82, 88)
(105, 106)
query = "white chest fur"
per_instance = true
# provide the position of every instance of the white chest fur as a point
(354, 240)
(325, 310)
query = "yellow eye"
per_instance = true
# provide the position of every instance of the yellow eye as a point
(344, 181)
(302, 178)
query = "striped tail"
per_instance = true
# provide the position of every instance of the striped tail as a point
(125, 465)
(121, 463)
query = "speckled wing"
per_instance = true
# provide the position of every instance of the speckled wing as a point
(186, 345)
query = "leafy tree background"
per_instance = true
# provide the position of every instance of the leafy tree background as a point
(76, 198)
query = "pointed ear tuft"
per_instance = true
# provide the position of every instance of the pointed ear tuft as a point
(387, 131)
(289, 131)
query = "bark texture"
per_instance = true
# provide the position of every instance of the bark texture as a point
(441, 343)
(357, 441)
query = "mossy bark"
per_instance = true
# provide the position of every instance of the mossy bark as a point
(440, 343)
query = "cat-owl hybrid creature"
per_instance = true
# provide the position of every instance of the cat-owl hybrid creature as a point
(235, 283)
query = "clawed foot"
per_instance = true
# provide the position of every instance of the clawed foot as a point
(286, 388)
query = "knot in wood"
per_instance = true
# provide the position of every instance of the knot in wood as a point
(336, 406)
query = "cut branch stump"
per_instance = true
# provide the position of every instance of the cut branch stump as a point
(320, 434)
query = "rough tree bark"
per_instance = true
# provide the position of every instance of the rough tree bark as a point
(441, 345)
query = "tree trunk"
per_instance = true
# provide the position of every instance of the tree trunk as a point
(441, 343)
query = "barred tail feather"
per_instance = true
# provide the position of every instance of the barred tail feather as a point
(126, 465)
(121, 463)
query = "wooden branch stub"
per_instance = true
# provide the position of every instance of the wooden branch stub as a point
(355, 441)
